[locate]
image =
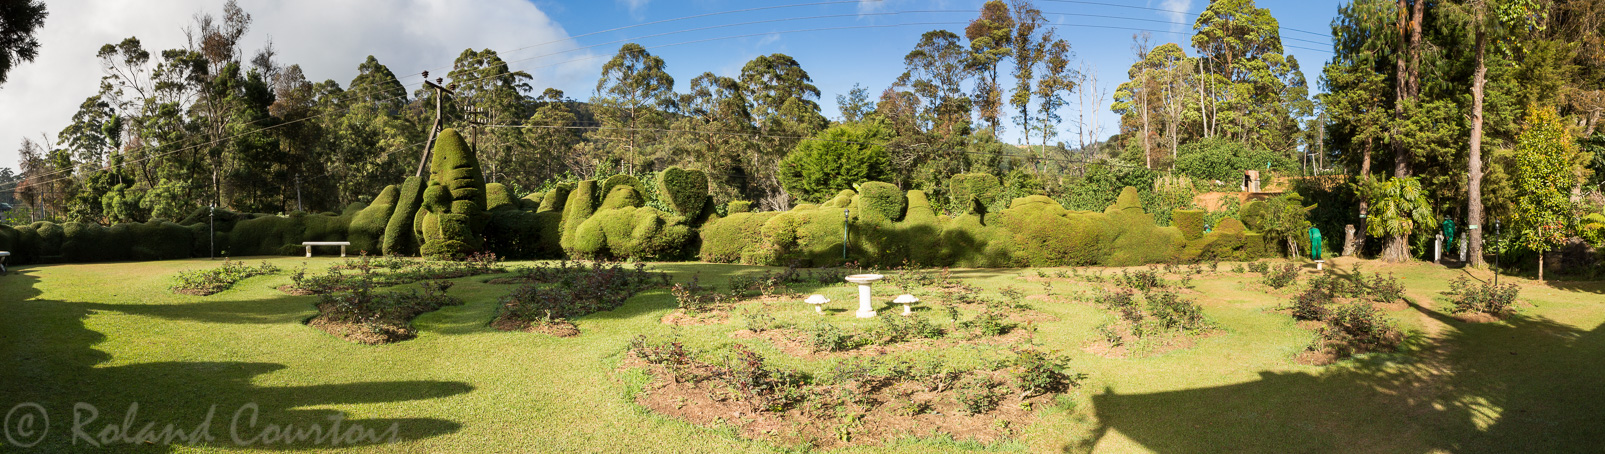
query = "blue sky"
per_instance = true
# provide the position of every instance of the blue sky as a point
(564, 43)
(1101, 35)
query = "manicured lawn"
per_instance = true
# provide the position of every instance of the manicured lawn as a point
(110, 335)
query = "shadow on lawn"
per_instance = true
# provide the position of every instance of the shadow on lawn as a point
(1524, 385)
(50, 361)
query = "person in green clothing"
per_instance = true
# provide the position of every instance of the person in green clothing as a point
(1448, 234)
(1315, 243)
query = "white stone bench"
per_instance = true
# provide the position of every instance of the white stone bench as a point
(342, 245)
(3, 255)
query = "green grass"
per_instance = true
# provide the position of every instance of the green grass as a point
(112, 334)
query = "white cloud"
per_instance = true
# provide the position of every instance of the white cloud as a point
(636, 7)
(327, 38)
(1177, 13)
(871, 6)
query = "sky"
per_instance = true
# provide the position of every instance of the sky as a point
(564, 43)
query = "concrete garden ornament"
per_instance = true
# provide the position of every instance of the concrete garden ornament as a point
(906, 300)
(819, 303)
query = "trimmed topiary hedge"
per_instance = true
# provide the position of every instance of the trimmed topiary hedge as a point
(686, 191)
(1190, 222)
(555, 198)
(580, 205)
(738, 206)
(631, 233)
(367, 230)
(883, 201)
(514, 234)
(965, 189)
(621, 180)
(454, 203)
(735, 238)
(399, 236)
(497, 196)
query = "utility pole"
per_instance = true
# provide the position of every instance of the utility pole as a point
(440, 97)
(477, 117)
(298, 206)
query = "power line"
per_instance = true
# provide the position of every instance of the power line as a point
(1149, 8)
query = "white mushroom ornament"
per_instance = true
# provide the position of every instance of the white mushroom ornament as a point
(906, 300)
(819, 303)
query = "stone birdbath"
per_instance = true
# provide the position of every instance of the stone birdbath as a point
(863, 280)
(905, 300)
(819, 303)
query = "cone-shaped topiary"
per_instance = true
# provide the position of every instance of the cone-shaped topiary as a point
(454, 202)
(685, 190)
(1127, 201)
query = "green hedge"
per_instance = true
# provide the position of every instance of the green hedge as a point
(367, 230)
(622, 196)
(579, 206)
(497, 196)
(621, 180)
(686, 191)
(1190, 222)
(555, 198)
(738, 206)
(735, 238)
(399, 238)
(883, 200)
(631, 233)
(966, 189)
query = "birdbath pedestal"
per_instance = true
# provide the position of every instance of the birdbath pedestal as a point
(905, 300)
(863, 280)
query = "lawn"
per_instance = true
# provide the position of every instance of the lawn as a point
(112, 335)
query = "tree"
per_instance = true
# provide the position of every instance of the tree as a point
(1357, 86)
(633, 86)
(19, 21)
(855, 105)
(484, 81)
(990, 43)
(1397, 207)
(1028, 48)
(843, 156)
(1544, 173)
(936, 71)
(1058, 78)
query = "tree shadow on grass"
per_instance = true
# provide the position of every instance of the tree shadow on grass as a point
(50, 362)
(1521, 385)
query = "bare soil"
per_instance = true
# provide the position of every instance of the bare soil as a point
(558, 328)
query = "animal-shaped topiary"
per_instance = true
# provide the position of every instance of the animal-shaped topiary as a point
(454, 203)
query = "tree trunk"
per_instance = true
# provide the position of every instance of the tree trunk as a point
(1365, 170)
(1396, 249)
(1540, 266)
(1474, 185)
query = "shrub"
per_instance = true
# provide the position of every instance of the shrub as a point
(736, 238)
(581, 204)
(1222, 159)
(1172, 312)
(497, 196)
(368, 226)
(738, 206)
(1358, 328)
(157, 240)
(845, 155)
(617, 180)
(1190, 222)
(631, 233)
(1281, 276)
(893, 330)
(555, 198)
(1485, 297)
(209, 281)
(515, 234)
(583, 292)
(825, 337)
(1042, 372)
(882, 200)
(398, 237)
(685, 190)
(967, 191)
(977, 395)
